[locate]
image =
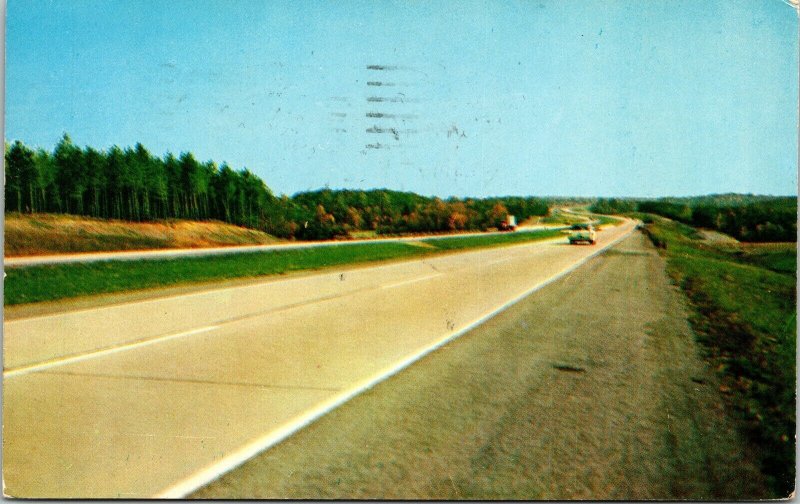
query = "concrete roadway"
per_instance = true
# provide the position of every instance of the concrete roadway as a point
(158, 397)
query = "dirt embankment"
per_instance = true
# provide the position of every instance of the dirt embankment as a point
(592, 388)
(712, 236)
(42, 234)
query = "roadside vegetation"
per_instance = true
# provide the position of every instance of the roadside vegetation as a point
(38, 234)
(743, 216)
(48, 283)
(745, 304)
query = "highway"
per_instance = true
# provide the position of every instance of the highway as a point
(157, 397)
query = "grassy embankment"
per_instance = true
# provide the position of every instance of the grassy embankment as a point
(38, 234)
(602, 220)
(744, 303)
(576, 215)
(47, 283)
(560, 217)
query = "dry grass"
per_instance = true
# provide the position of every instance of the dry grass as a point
(41, 234)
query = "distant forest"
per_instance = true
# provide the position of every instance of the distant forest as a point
(132, 184)
(745, 217)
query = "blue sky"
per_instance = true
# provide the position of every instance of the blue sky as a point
(541, 97)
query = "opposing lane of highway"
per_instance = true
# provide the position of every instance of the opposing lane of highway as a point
(156, 397)
(136, 255)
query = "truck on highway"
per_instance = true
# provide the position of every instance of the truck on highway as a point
(582, 233)
(509, 224)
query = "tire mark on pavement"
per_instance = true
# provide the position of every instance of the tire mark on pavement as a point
(193, 381)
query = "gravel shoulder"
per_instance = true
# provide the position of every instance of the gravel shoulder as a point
(592, 388)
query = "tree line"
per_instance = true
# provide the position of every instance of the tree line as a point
(393, 212)
(745, 217)
(133, 184)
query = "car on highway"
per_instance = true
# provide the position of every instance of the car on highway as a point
(582, 233)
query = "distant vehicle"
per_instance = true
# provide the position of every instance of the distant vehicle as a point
(510, 224)
(583, 233)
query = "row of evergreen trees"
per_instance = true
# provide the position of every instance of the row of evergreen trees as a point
(132, 184)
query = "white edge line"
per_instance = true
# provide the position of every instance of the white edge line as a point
(181, 489)
(97, 353)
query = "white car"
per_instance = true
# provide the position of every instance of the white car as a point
(583, 233)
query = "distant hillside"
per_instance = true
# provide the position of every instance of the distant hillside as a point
(40, 234)
(727, 199)
(746, 217)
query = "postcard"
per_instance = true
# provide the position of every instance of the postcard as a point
(398, 250)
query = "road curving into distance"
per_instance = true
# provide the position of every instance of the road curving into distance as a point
(158, 397)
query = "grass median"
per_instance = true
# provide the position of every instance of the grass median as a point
(49, 283)
(605, 220)
(492, 240)
(744, 302)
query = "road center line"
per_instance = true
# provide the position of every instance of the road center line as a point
(162, 338)
(413, 280)
(99, 353)
(70, 359)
